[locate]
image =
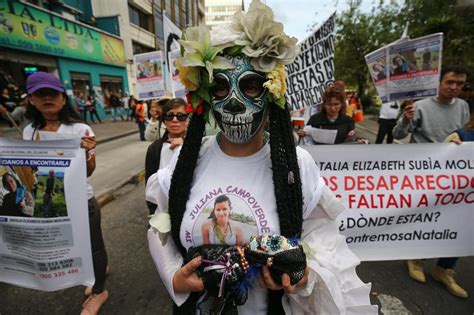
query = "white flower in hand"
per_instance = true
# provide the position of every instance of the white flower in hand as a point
(161, 223)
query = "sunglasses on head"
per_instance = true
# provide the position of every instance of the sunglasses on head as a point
(179, 116)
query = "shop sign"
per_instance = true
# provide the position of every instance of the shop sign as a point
(28, 28)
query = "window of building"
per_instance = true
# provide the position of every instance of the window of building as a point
(140, 18)
(140, 49)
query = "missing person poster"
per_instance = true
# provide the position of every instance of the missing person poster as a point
(44, 224)
(313, 69)
(178, 88)
(149, 72)
(402, 201)
(407, 68)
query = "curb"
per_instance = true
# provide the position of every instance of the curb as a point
(375, 133)
(112, 193)
(125, 134)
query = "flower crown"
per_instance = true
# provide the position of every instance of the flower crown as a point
(254, 34)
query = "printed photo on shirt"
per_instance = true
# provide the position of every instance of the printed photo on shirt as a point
(225, 220)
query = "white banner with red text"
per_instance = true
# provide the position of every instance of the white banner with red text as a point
(44, 218)
(402, 201)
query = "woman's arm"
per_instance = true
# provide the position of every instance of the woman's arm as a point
(88, 143)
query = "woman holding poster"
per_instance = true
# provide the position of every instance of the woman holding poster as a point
(50, 111)
(332, 117)
(275, 186)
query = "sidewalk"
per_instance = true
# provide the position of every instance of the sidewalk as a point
(104, 132)
(371, 125)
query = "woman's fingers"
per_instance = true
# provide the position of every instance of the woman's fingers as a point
(191, 266)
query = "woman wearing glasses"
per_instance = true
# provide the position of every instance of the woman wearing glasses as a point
(332, 117)
(159, 153)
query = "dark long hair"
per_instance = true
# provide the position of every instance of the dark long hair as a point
(67, 114)
(286, 182)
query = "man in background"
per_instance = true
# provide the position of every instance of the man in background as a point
(431, 120)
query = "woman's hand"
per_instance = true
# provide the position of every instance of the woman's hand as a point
(268, 282)
(88, 142)
(186, 280)
(301, 133)
(175, 142)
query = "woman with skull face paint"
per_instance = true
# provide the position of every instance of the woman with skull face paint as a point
(243, 85)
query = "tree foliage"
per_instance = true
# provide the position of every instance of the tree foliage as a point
(359, 33)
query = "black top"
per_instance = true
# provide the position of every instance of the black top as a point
(343, 124)
(152, 163)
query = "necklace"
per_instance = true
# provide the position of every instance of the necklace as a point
(266, 138)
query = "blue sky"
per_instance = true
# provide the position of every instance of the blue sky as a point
(297, 15)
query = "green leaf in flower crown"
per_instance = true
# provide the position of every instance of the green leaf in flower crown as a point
(281, 102)
(195, 99)
(203, 93)
(234, 51)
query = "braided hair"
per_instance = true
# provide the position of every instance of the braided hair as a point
(286, 179)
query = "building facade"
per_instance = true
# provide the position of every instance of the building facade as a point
(140, 24)
(60, 37)
(219, 11)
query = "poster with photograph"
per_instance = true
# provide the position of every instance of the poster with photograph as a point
(149, 72)
(179, 90)
(407, 68)
(44, 224)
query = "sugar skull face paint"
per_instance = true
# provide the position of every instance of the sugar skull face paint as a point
(239, 100)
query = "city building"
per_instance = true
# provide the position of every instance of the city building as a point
(64, 38)
(219, 11)
(140, 24)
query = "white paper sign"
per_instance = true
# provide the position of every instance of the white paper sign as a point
(407, 68)
(319, 135)
(403, 201)
(44, 223)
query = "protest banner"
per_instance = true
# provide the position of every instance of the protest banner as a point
(176, 86)
(149, 71)
(171, 35)
(407, 68)
(313, 69)
(44, 223)
(402, 201)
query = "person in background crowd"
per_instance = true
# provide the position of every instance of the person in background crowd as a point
(132, 103)
(387, 120)
(7, 101)
(91, 106)
(155, 125)
(126, 104)
(18, 113)
(115, 104)
(49, 111)
(332, 116)
(140, 111)
(160, 152)
(431, 120)
(81, 105)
